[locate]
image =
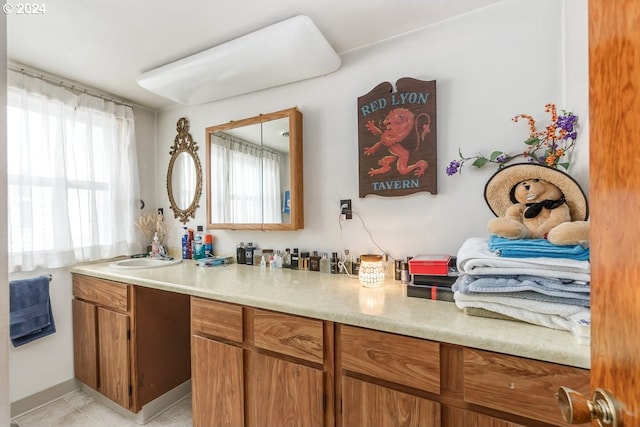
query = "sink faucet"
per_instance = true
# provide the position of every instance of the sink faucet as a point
(162, 253)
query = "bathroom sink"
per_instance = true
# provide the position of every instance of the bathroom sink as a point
(132, 263)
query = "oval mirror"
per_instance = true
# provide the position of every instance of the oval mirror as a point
(184, 176)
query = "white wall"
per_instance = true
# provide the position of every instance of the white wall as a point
(489, 65)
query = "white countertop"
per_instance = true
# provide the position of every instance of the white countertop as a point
(338, 298)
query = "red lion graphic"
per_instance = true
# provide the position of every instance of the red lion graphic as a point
(397, 126)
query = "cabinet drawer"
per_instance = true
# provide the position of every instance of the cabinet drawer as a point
(290, 335)
(403, 360)
(102, 292)
(517, 385)
(218, 319)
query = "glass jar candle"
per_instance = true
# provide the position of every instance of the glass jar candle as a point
(371, 272)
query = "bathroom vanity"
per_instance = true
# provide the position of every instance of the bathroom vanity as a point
(284, 347)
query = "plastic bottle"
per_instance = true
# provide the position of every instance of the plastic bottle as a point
(155, 243)
(198, 243)
(190, 243)
(185, 244)
(241, 254)
(278, 259)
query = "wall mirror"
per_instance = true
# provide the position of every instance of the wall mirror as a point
(184, 177)
(254, 173)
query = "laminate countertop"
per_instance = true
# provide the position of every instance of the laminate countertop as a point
(339, 298)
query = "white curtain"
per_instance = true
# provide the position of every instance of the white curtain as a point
(245, 182)
(73, 191)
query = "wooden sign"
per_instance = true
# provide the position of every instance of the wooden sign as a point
(397, 139)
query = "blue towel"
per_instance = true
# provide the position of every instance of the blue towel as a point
(533, 248)
(31, 316)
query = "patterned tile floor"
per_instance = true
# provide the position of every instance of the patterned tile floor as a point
(78, 409)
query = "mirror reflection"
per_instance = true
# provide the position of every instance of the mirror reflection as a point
(183, 180)
(249, 169)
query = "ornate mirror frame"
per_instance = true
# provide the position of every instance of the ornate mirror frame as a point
(184, 143)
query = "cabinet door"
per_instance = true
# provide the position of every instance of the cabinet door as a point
(464, 418)
(85, 356)
(283, 393)
(113, 345)
(365, 404)
(217, 383)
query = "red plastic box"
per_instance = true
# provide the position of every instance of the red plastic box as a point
(435, 265)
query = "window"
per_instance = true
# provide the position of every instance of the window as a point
(72, 176)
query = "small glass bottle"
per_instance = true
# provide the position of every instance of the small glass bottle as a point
(286, 259)
(356, 267)
(277, 258)
(295, 258)
(263, 261)
(348, 263)
(304, 261)
(334, 263)
(314, 262)
(325, 263)
(241, 254)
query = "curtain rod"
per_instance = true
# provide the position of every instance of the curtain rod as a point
(69, 86)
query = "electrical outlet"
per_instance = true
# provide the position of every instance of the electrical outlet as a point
(161, 211)
(346, 211)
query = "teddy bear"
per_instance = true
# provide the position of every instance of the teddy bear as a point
(533, 201)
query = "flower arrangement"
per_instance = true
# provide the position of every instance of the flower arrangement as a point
(150, 224)
(547, 147)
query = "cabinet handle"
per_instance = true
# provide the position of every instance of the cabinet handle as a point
(577, 409)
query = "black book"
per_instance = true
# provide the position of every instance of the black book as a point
(430, 292)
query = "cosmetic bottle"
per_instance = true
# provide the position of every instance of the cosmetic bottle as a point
(263, 261)
(348, 263)
(249, 253)
(208, 245)
(277, 258)
(304, 261)
(190, 243)
(325, 263)
(241, 254)
(286, 259)
(389, 267)
(185, 244)
(314, 262)
(155, 243)
(334, 263)
(355, 269)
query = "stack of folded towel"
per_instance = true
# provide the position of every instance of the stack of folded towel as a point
(530, 280)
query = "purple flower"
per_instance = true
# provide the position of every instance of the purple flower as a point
(501, 158)
(567, 122)
(453, 167)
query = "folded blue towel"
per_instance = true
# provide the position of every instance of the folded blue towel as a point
(532, 248)
(31, 316)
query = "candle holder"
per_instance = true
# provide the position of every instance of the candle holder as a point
(371, 274)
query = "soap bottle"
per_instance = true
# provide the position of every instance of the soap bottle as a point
(198, 245)
(286, 259)
(190, 243)
(241, 254)
(249, 254)
(334, 263)
(155, 244)
(314, 262)
(325, 263)
(295, 258)
(263, 261)
(185, 244)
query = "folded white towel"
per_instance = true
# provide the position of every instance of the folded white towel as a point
(474, 257)
(551, 315)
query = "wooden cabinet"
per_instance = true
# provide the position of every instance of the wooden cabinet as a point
(386, 379)
(130, 343)
(254, 367)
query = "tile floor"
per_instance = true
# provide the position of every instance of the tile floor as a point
(78, 409)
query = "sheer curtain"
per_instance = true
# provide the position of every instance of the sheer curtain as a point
(73, 190)
(240, 174)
